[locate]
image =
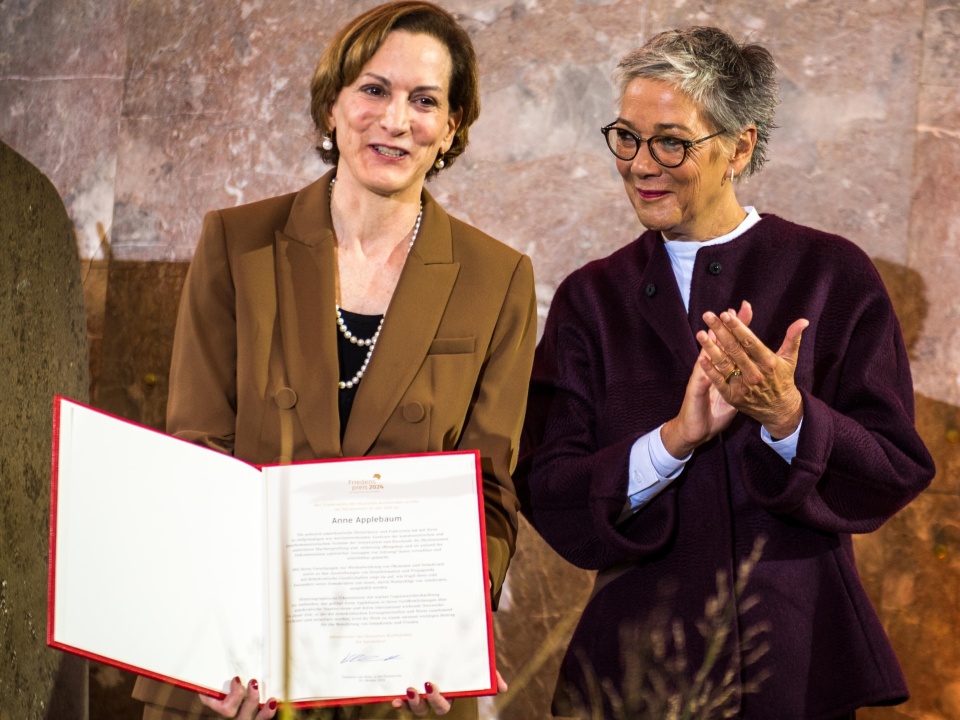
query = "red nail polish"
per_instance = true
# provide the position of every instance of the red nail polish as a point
(236, 680)
(272, 704)
(411, 694)
(429, 688)
(254, 685)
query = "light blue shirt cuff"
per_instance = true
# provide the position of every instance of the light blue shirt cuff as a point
(651, 470)
(785, 447)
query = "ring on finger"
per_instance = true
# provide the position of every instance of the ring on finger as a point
(732, 374)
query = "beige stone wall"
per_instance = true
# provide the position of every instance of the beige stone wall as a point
(147, 113)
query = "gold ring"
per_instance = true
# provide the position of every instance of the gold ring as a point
(733, 373)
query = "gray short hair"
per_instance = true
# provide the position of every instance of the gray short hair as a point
(734, 85)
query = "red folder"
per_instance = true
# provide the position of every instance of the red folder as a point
(332, 582)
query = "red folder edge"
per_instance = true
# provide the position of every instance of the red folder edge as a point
(58, 400)
(52, 550)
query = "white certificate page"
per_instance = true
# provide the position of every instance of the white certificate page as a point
(377, 578)
(151, 535)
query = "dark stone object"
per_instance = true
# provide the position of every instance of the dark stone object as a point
(43, 352)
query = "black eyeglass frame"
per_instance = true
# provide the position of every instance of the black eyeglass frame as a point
(687, 144)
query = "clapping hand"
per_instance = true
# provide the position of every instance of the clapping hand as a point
(749, 376)
(704, 412)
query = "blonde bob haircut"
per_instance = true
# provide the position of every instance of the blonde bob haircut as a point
(352, 48)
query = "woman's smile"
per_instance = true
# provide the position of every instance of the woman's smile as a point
(651, 194)
(389, 151)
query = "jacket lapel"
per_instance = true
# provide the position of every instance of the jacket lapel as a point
(307, 306)
(662, 309)
(409, 327)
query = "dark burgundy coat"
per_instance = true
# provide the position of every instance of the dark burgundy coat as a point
(615, 357)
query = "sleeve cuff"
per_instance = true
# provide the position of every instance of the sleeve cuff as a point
(651, 470)
(785, 447)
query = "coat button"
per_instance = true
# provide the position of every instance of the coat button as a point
(715, 268)
(650, 290)
(413, 412)
(285, 398)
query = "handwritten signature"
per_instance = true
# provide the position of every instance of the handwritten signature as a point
(364, 658)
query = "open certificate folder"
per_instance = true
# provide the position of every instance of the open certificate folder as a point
(332, 582)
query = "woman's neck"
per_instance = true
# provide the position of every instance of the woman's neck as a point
(369, 224)
(373, 238)
(716, 222)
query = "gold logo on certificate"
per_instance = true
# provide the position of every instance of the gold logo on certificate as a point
(366, 485)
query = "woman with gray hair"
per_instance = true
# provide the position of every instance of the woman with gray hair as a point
(712, 463)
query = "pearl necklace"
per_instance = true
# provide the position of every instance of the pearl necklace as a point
(370, 342)
(367, 343)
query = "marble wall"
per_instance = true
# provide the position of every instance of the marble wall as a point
(147, 113)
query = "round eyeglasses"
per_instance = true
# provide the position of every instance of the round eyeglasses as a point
(666, 150)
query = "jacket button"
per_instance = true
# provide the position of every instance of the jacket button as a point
(715, 268)
(413, 412)
(650, 290)
(285, 398)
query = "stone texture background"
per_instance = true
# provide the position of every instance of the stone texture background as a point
(43, 352)
(147, 113)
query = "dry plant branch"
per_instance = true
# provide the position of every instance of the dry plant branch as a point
(658, 683)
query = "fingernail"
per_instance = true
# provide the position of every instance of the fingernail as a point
(254, 684)
(429, 688)
(411, 694)
(272, 704)
(236, 680)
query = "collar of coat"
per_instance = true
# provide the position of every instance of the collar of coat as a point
(305, 267)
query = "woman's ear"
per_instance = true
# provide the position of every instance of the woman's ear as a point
(743, 149)
(328, 116)
(453, 124)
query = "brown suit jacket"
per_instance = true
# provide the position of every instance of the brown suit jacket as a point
(255, 370)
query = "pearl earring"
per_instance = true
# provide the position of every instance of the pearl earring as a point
(327, 144)
(439, 163)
